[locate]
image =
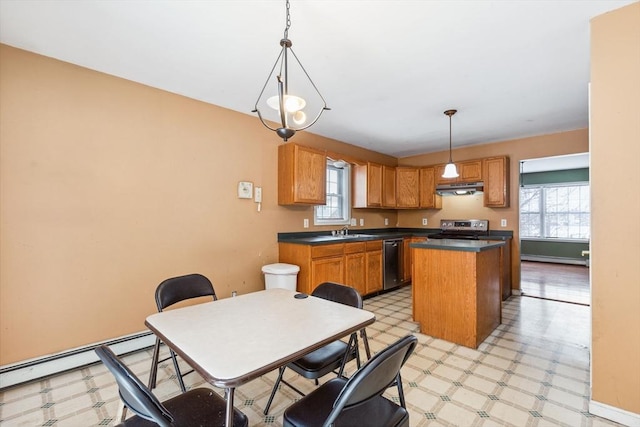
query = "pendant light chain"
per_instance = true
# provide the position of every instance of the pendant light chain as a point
(288, 21)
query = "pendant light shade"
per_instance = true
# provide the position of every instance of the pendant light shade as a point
(450, 170)
(289, 97)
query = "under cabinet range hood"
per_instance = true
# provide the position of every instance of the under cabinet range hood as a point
(459, 188)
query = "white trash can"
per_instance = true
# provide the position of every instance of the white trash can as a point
(280, 275)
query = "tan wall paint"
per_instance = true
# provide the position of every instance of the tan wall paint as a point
(472, 206)
(615, 245)
(107, 187)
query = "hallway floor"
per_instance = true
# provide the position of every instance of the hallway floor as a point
(532, 371)
(559, 282)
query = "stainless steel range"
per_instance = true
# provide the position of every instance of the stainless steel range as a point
(466, 229)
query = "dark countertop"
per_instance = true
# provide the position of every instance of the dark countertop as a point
(459, 245)
(325, 238)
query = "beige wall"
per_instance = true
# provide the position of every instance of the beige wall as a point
(471, 206)
(107, 187)
(615, 186)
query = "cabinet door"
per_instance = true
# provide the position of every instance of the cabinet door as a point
(389, 187)
(355, 272)
(367, 186)
(407, 187)
(427, 187)
(301, 175)
(406, 259)
(374, 271)
(329, 269)
(470, 171)
(496, 182)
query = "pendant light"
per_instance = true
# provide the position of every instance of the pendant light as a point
(450, 170)
(288, 104)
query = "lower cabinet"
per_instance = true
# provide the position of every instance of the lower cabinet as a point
(407, 256)
(329, 269)
(374, 266)
(355, 264)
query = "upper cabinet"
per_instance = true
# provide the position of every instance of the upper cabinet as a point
(428, 197)
(468, 171)
(301, 175)
(496, 182)
(407, 187)
(367, 186)
(388, 187)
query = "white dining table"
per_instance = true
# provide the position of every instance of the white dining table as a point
(235, 340)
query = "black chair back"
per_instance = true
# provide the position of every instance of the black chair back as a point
(133, 393)
(338, 293)
(378, 374)
(181, 288)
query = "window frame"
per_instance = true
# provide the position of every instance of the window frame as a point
(345, 194)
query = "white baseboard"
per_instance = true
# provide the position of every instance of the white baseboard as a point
(555, 260)
(33, 369)
(614, 414)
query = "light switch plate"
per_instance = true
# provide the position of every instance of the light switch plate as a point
(245, 190)
(258, 195)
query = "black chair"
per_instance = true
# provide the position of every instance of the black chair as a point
(169, 292)
(332, 356)
(359, 400)
(198, 407)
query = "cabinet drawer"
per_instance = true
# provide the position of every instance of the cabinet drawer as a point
(351, 248)
(374, 245)
(327, 250)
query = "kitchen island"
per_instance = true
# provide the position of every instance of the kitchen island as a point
(456, 289)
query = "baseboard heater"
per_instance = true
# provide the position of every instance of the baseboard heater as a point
(553, 259)
(37, 368)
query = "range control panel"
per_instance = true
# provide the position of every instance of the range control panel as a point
(464, 225)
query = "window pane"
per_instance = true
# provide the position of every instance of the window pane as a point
(336, 210)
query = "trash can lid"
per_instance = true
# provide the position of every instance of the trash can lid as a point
(280, 268)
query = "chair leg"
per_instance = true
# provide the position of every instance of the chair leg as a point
(365, 340)
(178, 373)
(400, 391)
(275, 388)
(153, 373)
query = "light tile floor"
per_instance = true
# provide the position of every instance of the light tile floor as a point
(532, 371)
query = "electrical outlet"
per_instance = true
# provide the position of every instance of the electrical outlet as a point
(353, 222)
(386, 221)
(361, 222)
(503, 222)
(305, 223)
(424, 221)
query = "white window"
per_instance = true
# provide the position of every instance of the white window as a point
(337, 211)
(559, 211)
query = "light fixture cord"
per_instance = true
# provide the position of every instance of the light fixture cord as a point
(450, 158)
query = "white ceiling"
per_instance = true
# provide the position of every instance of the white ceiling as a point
(388, 68)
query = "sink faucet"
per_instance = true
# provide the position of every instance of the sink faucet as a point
(345, 230)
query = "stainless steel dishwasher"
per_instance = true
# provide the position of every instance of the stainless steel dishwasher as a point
(392, 257)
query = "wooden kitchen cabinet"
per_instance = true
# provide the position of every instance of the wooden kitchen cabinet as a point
(407, 187)
(407, 256)
(301, 175)
(496, 182)
(427, 189)
(388, 187)
(329, 269)
(468, 171)
(367, 186)
(355, 265)
(374, 266)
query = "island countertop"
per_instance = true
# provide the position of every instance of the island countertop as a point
(459, 245)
